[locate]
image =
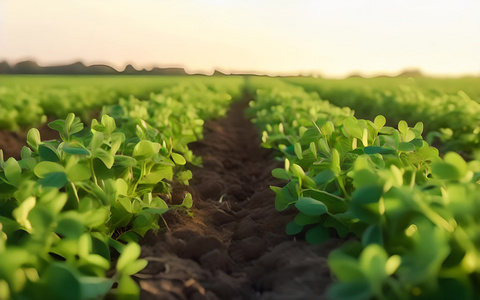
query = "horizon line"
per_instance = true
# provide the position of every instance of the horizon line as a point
(225, 71)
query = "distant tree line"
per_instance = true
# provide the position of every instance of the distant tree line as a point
(79, 68)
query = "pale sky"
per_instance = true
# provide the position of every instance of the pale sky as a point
(332, 38)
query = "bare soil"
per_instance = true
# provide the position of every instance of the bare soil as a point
(234, 246)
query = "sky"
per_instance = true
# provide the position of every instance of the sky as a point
(331, 38)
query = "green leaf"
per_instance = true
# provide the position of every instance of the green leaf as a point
(403, 127)
(280, 202)
(25, 153)
(129, 254)
(121, 186)
(109, 123)
(61, 283)
(100, 247)
(324, 177)
(328, 129)
(21, 212)
(144, 222)
(297, 170)
(456, 160)
(157, 174)
(73, 124)
(117, 139)
(310, 206)
(95, 287)
(69, 120)
(70, 228)
(127, 204)
(145, 149)
(48, 153)
(293, 228)
(350, 124)
(158, 202)
(178, 159)
(125, 161)
(372, 235)
(392, 264)
(379, 122)
(409, 136)
(75, 150)
(334, 204)
(308, 182)
(285, 195)
(335, 167)
(187, 201)
(311, 135)
(4, 290)
(376, 149)
(387, 130)
(313, 149)
(406, 147)
(345, 267)
(105, 157)
(372, 261)
(298, 150)
(96, 142)
(341, 229)
(33, 138)
(127, 289)
(445, 171)
(79, 172)
(303, 219)
(57, 179)
(119, 217)
(280, 173)
(417, 142)
(323, 146)
(452, 168)
(418, 128)
(157, 211)
(13, 172)
(350, 291)
(135, 267)
(365, 203)
(58, 125)
(43, 168)
(317, 235)
(2, 162)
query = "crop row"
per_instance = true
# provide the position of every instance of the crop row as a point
(447, 112)
(413, 216)
(70, 206)
(27, 101)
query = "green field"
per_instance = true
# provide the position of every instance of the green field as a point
(29, 100)
(390, 165)
(448, 108)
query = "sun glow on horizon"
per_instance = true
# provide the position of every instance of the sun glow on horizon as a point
(333, 38)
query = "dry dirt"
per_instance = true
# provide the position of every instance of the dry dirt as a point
(234, 246)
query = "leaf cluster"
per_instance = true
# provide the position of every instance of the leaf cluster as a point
(68, 205)
(415, 214)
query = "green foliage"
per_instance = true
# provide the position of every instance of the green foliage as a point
(414, 213)
(31, 100)
(67, 202)
(448, 108)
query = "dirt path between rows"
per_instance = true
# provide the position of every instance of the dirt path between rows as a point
(234, 247)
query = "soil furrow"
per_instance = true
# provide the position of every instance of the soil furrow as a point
(234, 246)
